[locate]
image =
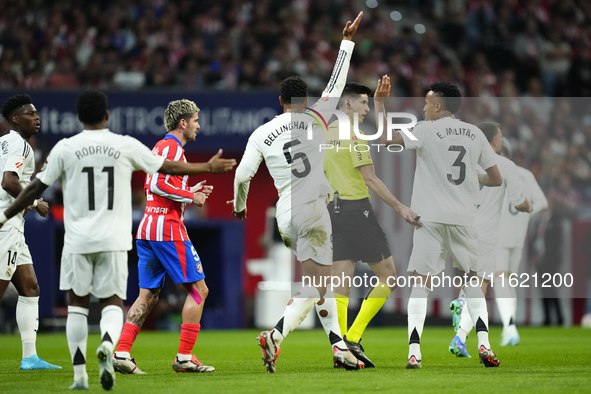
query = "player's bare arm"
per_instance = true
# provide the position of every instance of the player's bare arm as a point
(351, 28)
(218, 165)
(25, 198)
(376, 185)
(381, 94)
(525, 206)
(492, 177)
(215, 165)
(11, 184)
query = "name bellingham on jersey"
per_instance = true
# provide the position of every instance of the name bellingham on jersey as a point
(287, 127)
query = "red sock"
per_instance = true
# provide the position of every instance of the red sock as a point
(189, 334)
(127, 338)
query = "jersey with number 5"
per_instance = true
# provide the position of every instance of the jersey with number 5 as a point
(95, 167)
(291, 144)
(446, 184)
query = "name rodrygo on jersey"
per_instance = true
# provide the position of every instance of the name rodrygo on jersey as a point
(95, 167)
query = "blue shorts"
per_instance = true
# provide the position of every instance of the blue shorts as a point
(177, 258)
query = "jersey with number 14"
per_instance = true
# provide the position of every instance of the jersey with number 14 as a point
(167, 195)
(446, 184)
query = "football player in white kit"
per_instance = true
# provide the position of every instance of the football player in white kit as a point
(512, 234)
(490, 205)
(296, 164)
(17, 163)
(95, 167)
(445, 196)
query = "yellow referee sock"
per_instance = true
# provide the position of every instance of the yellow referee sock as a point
(342, 306)
(370, 306)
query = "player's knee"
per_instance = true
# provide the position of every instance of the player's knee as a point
(31, 290)
(204, 292)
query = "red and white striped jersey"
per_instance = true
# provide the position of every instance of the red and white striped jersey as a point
(167, 195)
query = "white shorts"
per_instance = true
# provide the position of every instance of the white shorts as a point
(509, 259)
(307, 231)
(487, 260)
(101, 274)
(13, 252)
(433, 241)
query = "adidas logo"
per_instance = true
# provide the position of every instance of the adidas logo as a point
(366, 213)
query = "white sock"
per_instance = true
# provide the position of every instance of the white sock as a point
(479, 313)
(27, 319)
(184, 357)
(466, 324)
(326, 309)
(111, 325)
(77, 334)
(503, 298)
(123, 354)
(417, 311)
(295, 312)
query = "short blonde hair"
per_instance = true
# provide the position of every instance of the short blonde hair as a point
(177, 110)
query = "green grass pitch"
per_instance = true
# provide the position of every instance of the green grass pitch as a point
(548, 360)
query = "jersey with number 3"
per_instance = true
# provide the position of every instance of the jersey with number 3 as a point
(95, 167)
(445, 188)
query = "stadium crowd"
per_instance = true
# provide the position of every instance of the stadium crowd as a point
(535, 49)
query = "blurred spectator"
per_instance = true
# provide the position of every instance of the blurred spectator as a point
(528, 51)
(556, 61)
(129, 77)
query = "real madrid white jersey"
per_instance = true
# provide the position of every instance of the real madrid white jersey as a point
(445, 188)
(490, 201)
(513, 224)
(292, 155)
(16, 155)
(95, 167)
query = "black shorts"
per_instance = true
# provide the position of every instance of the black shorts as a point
(356, 233)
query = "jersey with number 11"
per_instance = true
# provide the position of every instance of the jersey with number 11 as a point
(95, 167)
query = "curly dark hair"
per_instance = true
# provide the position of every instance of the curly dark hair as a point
(293, 87)
(452, 98)
(91, 106)
(14, 103)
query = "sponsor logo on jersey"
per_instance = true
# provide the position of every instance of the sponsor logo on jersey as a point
(156, 209)
(366, 213)
(19, 164)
